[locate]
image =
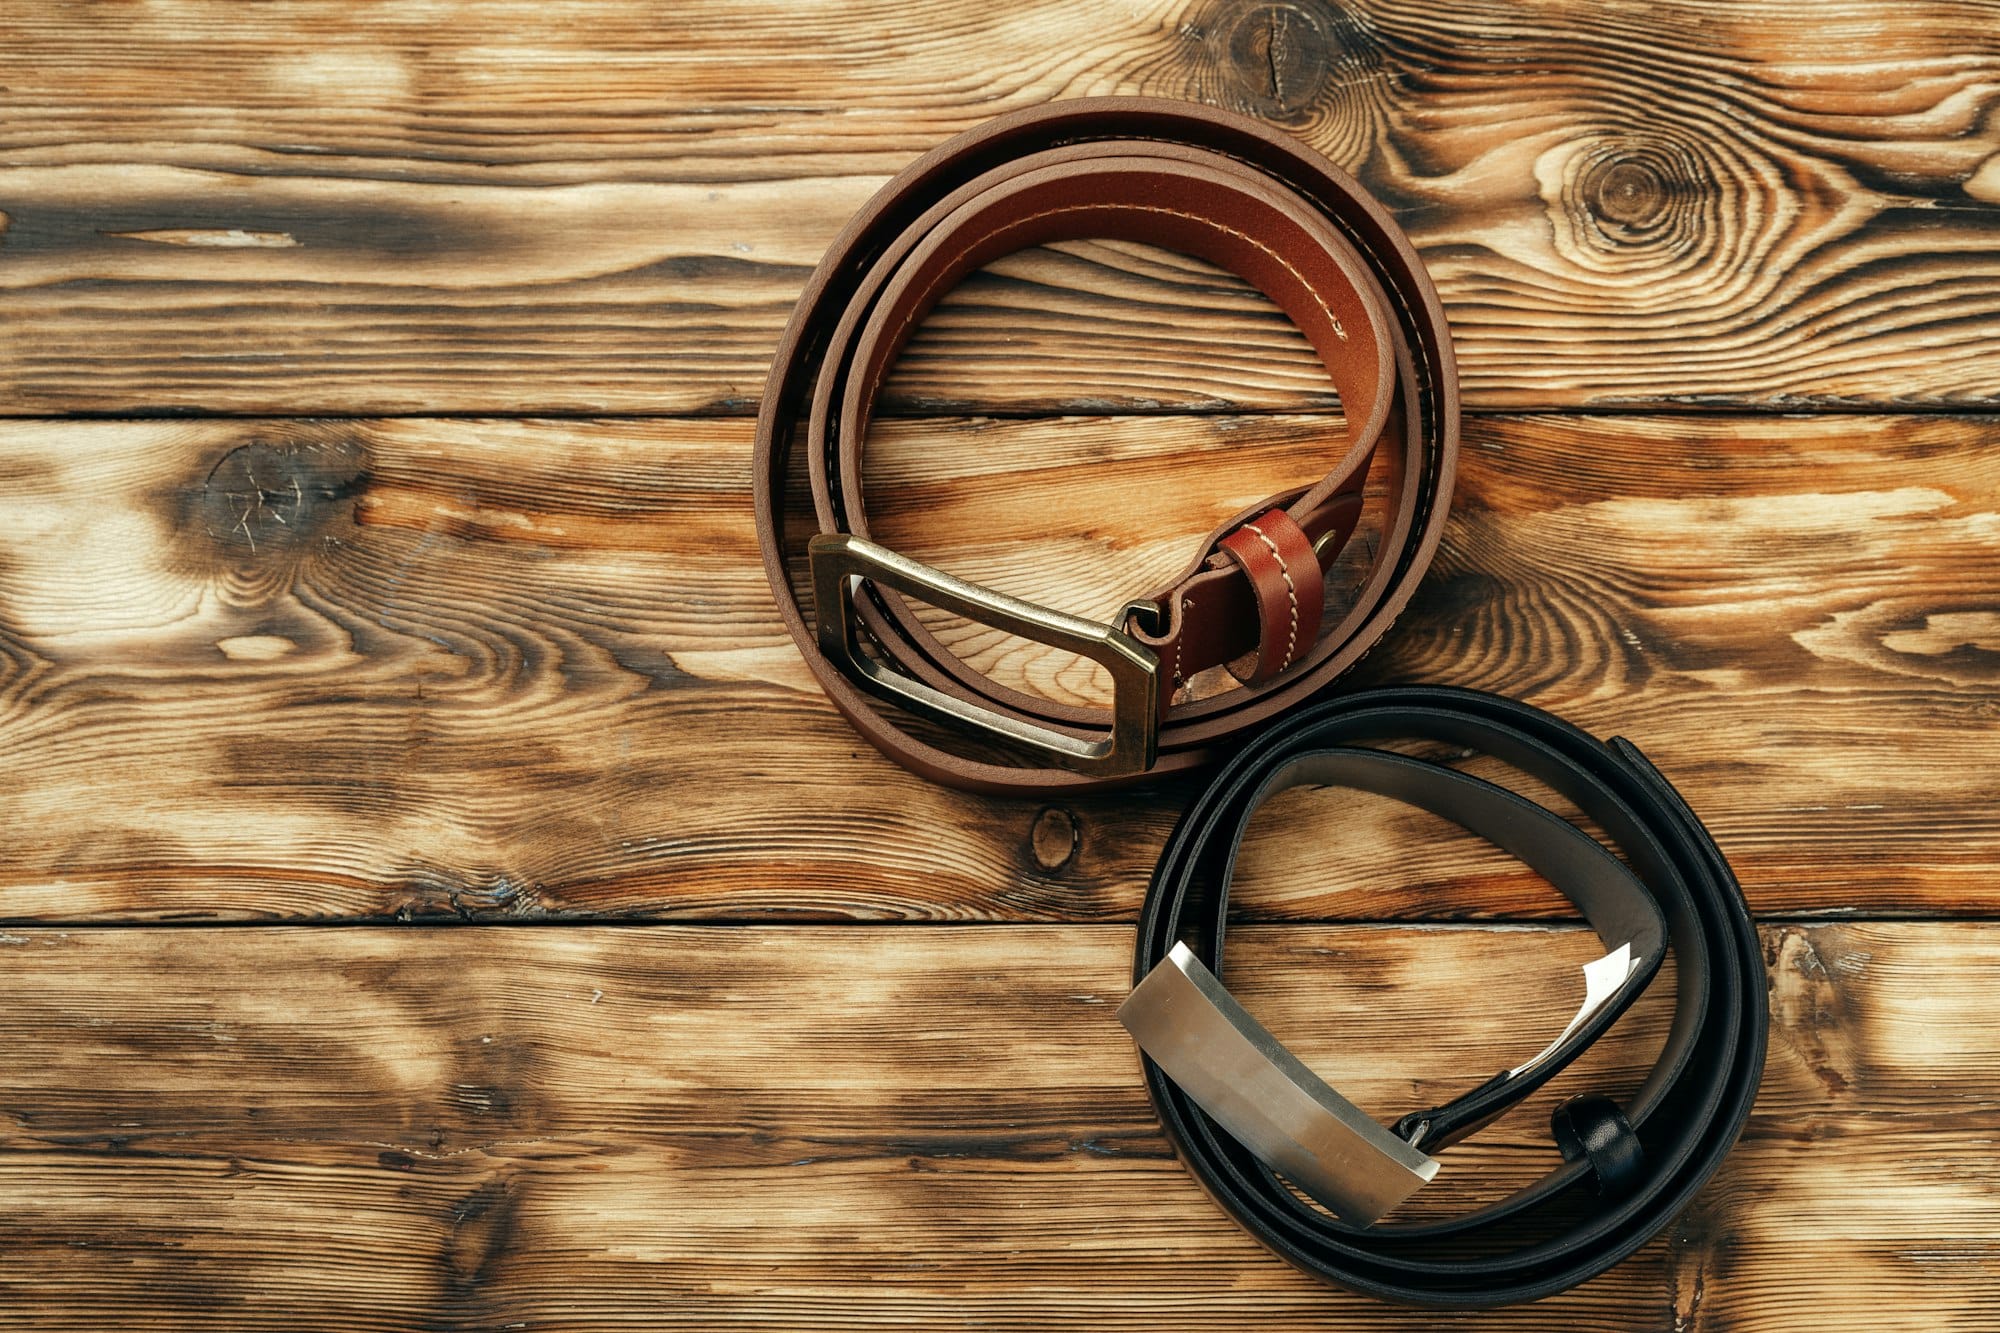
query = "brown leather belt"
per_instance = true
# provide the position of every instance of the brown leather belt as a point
(1215, 185)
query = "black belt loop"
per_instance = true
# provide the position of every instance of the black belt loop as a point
(1626, 1172)
(1593, 1129)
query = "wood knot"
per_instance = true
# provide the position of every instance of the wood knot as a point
(281, 495)
(1656, 204)
(1278, 53)
(478, 1236)
(1811, 1005)
(1647, 195)
(1054, 838)
(1627, 193)
(1280, 59)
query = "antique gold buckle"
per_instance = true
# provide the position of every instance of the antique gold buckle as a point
(840, 560)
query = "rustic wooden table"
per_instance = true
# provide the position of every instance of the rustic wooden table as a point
(435, 896)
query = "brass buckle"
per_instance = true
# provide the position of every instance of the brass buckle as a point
(839, 560)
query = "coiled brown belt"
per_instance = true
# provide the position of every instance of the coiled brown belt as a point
(1211, 184)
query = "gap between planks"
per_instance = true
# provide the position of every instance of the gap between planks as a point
(1833, 916)
(1638, 409)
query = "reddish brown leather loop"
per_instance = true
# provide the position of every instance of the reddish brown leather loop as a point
(1216, 185)
(1274, 551)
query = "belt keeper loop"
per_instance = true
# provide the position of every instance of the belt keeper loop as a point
(1277, 557)
(1593, 1127)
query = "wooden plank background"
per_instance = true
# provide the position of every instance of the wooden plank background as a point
(435, 896)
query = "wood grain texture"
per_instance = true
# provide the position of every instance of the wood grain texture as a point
(492, 668)
(310, 208)
(758, 1030)
(848, 1128)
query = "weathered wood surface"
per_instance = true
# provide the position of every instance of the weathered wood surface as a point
(442, 604)
(320, 208)
(500, 668)
(942, 1128)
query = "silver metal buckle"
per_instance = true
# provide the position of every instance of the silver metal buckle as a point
(839, 560)
(1244, 1078)
(1240, 1074)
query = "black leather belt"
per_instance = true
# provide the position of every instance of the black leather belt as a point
(1626, 1171)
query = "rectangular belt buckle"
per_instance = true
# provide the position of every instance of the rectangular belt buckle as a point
(1236, 1071)
(840, 560)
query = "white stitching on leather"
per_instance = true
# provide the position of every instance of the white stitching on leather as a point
(1180, 642)
(1417, 367)
(1291, 592)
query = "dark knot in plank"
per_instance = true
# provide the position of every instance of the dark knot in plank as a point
(1664, 203)
(1283, 59)
(480, 1235)
(1630, 194)
(1651, 194)
(1054, 838)
(1279, 55)
(272, 495)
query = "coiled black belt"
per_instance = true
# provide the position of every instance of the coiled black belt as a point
(1626, 1171)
